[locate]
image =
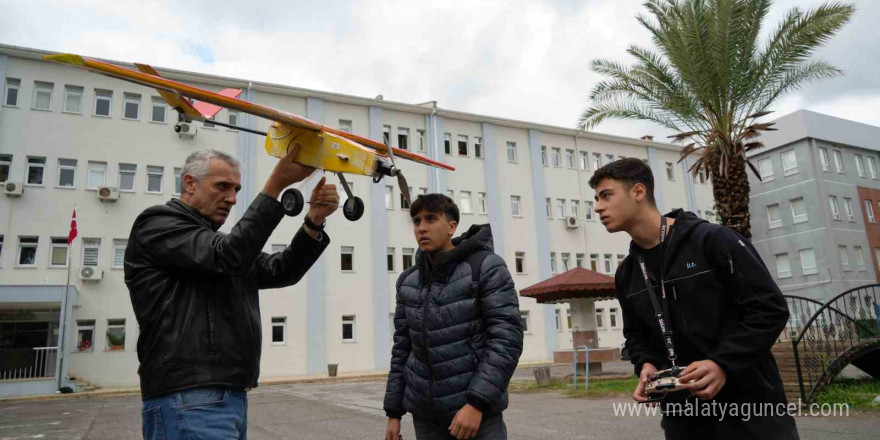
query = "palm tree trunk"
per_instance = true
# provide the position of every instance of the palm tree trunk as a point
(731, 192)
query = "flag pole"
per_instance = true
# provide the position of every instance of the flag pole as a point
(62, 335)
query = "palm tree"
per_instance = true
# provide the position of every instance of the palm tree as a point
(710, 81)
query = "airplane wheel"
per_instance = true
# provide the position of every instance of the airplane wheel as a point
(292, 202)
(353, 208)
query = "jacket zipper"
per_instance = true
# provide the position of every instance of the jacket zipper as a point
(425, 311)
(730, 260)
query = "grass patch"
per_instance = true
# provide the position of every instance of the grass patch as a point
(857, 393)
(598, 387)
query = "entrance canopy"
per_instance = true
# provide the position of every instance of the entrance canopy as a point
(578, 283)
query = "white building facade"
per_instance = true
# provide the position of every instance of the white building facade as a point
(66, 133)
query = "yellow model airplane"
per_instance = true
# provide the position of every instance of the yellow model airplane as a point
(321, 146)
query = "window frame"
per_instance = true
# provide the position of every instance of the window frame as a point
(158, 102)
(769, 177)
(403, 138)
(511, 152)
(120, 171)
(796, 219)
(808, 270)
(89, 243)
(40, 86)
(22, 245)
(519, 259)
(94, 166)
(12, 84)
(152, 172)
(785, 170)
(835, 208)
(779, 273)
(278, 321)
(119, 245)
(516, 201)
(84, 325)
(352, 319)
(69, 90)
(114, 324)
(342, 253)
(66, 167)
(103, 94)
(37, 164)
(58, 243)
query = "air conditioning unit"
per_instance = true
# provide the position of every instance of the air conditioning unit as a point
(13, 189)
(571, 222)
(91, 273)
(185, 130)
(108, 193)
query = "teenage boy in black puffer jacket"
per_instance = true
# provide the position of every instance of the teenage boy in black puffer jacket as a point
(457, 331)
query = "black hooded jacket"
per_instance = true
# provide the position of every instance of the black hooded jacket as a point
(455, 341)
(195, 293)
(724, 304)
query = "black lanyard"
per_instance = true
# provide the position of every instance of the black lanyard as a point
(665, 328)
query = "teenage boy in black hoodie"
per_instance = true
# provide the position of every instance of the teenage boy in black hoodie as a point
(457, 331)
(719, 301)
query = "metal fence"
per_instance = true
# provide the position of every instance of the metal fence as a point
(28, 363)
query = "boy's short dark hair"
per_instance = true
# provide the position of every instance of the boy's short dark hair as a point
(629, 172)
(435, 203)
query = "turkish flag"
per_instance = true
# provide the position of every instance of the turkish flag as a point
(72, 235)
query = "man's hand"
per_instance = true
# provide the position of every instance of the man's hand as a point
(648, 370)
(392, 431)
(704, 378)
(466, 422)
(286, 173)
(323, 202)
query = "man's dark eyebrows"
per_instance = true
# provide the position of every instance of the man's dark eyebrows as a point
(603, 192)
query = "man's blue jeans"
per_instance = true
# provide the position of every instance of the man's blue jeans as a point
(199, 413)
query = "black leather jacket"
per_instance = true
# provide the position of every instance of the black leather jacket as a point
(195, 293)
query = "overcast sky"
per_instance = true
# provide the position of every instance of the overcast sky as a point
(518, 59)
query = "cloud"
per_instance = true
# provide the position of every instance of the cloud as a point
(519, 59)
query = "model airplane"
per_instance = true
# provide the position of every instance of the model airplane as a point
(321, 146)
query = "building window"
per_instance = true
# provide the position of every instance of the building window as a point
(612, 317)
(609, 158)
(575, 209)
(85, 335)
(154, 178)
(158, 110)
(869, 211)
(584, 160)
(35, 168)
(421, 139)
(408, 255)
(847, 206)
(872, 167)
(544, 155)
(403, 138)
(597, 161)
(554, 157)
(279, 330)
(91, 251)
(389, 197)
(511, 152)
(524, 315)
(478, 147)
(607, 263)
(119, 245)
(178, 181)
(404, 205)
(835, 211)
(558, 320)
(115, 334)
(390, 259)
(774, 215)
(670, 171)
(548, 208)
(11, 96)
(348, 329)
(600, 318)
(838, 161)
(798, 210)
(783, 266)
(481, 202)
(67, 173)
(103, 99)
(345, 125)
(465, 198)
(568, 318)
(594, 262)
(560, 208)
(43, 95)
(447, 141)
(73, 99)
(5, 165)
(844, 257)
(808, 261)
(386, 134)
(860, 166)
(579, 260)
(514, 206)
(789, 163)
(701, 175)
(347, 259)
(58, 252)
(127, 173)
(97, 174)
(765, 167)
(569, 158)
(860, 259)
(588, 210)
(566, 262)
(520, 258)
(552, 262)
(27, 251)
(1, 245)
(462, 145)
(823, 158)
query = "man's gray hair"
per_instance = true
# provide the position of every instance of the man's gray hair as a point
(197, 163)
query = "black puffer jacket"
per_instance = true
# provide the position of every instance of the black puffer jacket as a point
(724, 304)
(195, 293)
(454, 342)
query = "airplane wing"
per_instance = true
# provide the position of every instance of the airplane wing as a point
(176, 91)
